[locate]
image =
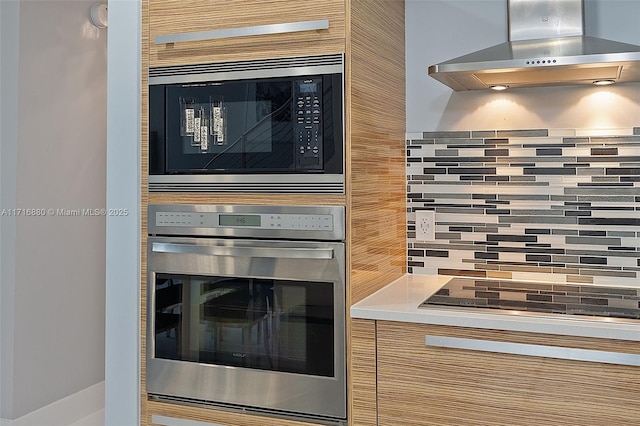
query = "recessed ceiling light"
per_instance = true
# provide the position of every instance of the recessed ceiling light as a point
(499, 87)
(603, 82)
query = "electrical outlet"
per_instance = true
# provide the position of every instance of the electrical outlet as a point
(425, 225)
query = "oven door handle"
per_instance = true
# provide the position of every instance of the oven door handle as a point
(272, 252)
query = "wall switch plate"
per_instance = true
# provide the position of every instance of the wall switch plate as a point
(425, 225)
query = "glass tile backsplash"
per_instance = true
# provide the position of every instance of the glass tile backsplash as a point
(535, 204)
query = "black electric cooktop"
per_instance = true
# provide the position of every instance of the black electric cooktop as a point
(538, 297)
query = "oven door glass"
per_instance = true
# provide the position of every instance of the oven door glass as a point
(265, 324)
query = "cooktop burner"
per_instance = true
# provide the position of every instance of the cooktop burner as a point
(539, 297)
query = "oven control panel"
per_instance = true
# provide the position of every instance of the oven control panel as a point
(304, 222)
(322, 222)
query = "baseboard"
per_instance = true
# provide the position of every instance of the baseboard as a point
(65, 411)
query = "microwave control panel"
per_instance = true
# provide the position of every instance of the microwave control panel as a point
(307, 98)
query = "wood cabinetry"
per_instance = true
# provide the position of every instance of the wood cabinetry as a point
(171, 17)
(421, 385)
(370, 33)
(161, 414)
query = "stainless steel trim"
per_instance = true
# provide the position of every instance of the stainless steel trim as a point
(291, 188)
(255, 68)
(239, 75)
(338, 233)
(289, 27)
(542, 351)
(272, 184)
(271, 252)
(536, 19)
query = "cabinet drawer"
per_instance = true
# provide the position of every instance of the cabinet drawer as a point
(166, 414)
(449, 386)
(224, 19)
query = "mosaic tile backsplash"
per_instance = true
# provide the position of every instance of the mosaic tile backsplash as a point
(539, 204)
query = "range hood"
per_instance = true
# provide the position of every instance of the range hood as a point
(546, 47)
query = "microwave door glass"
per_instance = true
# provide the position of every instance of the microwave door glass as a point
(241, 126)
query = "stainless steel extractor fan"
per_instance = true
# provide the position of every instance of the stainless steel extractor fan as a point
(546, 47)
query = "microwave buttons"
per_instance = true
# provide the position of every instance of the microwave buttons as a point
(308, 109)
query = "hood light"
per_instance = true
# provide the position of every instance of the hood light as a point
(603, 82)
(499, 87)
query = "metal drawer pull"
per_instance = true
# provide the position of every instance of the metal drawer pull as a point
(289, 27)
(173, 421)
(543, 351)
(271, 252)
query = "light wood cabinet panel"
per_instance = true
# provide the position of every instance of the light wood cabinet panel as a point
(362, 380)
(376, 176)
(257, 199)
(419, 385)
(371, 34)
(144, 201)
(177, 16)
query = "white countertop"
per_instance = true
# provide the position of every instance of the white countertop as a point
(399, 301)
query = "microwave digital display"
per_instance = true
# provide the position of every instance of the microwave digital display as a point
(308, 87)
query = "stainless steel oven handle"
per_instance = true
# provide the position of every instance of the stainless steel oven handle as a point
(272, 252)
(289, 27)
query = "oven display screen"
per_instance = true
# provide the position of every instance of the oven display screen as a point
(239, 220)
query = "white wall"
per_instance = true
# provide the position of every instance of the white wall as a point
(9, 30)
(58, 304)
(438, 30)
(123, 192)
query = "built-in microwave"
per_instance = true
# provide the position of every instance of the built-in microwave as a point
(250, 126)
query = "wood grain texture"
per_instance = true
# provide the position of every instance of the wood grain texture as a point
(363, 407)
(144, 178)
(418, 385)
(372, 34)
(217, 417)
(179, 16)
(376, 177)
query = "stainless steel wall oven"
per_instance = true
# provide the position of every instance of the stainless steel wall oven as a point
(271, 125)
(246, 308)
